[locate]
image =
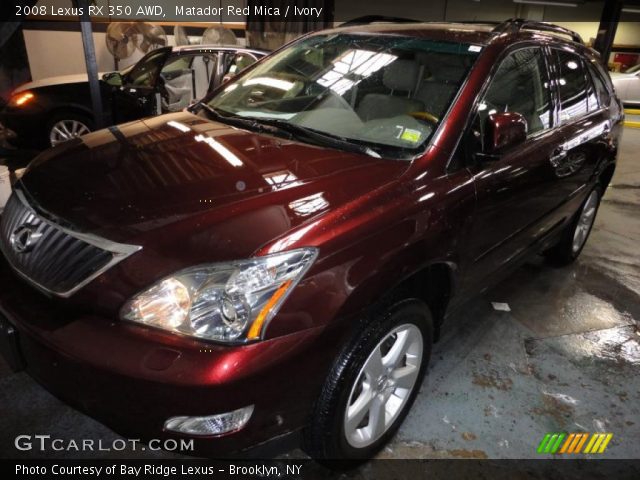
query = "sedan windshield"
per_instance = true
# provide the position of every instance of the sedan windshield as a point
(384, 94)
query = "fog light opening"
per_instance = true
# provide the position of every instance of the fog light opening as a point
(212, 424)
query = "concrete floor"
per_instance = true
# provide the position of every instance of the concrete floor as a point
(565, 358)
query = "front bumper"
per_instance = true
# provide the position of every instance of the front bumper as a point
(6, 133)
(133, 379)
(27, 125)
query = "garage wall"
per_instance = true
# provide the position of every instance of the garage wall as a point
(44, 46)
(53, 53)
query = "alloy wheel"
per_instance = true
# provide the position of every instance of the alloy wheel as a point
(585, 222)
(383, 385)
(66, 130)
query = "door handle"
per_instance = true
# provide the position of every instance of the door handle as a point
(558, 155)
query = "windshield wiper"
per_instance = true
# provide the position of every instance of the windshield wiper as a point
(275, 126)
(319, 138)
(242, 122)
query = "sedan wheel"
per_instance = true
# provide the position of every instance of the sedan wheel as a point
(383, 386)
(64, 130)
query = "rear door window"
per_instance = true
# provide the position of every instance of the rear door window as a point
(572, 86)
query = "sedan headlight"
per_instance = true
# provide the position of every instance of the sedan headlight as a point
(228, 302)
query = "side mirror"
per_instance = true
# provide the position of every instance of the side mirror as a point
(112, 78)
(504, 130)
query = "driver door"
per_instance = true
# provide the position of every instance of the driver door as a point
(518, 190)
(137, 98)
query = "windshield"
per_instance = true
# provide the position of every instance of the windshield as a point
(385, 93)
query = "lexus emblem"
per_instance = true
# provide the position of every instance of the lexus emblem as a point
(24, 238)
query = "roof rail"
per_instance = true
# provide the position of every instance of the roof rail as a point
(514, 25)
(376, 18)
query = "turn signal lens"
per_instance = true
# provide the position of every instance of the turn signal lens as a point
(20, 99)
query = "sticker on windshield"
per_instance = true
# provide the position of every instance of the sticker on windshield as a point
(475, 48)
(411, 135)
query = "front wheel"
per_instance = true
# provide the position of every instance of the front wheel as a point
(575, 236)
(65, 126)
(372, 385)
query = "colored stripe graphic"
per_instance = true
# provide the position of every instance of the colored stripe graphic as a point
(556, 446)
(584, 439)
(579, 438)
(605, 442)
(567, 443)
(543, 443)
(572, 443)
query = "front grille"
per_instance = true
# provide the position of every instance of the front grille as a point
(55, 259)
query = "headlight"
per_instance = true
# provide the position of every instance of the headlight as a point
(228, 302)
(19, 99)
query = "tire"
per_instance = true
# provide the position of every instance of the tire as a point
(575, 236)
(331, 434)
(69, 124)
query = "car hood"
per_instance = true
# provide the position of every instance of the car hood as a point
(59, 80)
(184, 180)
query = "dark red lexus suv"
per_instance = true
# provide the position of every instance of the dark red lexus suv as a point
(280, 257)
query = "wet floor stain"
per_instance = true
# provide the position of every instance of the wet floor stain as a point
(612, 350)
(464, 453)
(558, 407)
(492, 380)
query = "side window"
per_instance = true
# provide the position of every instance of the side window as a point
(601, 88)
(145, 72)
(520, 85)
(236, 64)
(573, 87)
(240, 62)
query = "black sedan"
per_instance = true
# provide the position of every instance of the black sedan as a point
(49, 111)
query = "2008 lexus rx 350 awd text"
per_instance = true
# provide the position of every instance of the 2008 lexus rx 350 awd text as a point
(280, 257)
